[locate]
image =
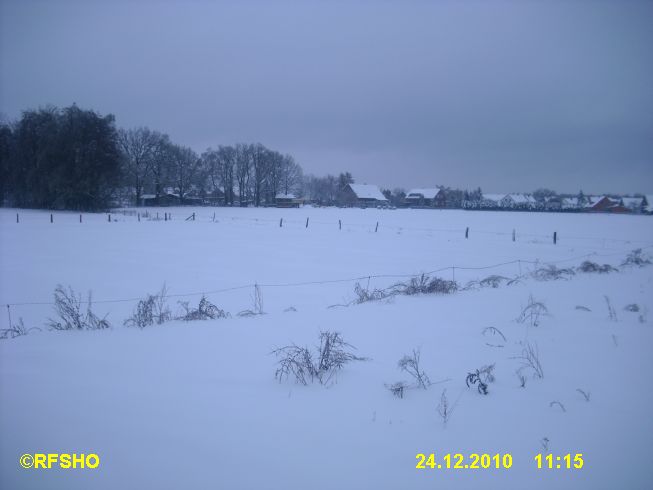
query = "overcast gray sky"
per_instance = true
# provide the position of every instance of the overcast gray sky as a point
(509, 96)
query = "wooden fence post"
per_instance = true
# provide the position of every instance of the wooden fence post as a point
(377, 227)
(109, 218)
(513, 234)
(80, 218)
(17, 219)
(139, 217)
(555, 237)
(467, 232)
(306, 222)
(193, 216)
(51, 218)
(340, 224)
(281, 223)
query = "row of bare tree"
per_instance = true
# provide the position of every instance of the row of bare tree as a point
(243, 173)
(73, 158)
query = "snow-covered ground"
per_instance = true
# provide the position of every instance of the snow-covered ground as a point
(195, 404)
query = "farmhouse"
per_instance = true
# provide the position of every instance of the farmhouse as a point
(165, 199)
(569, 204)
(287, 201)
(517, 201)
(601, 203)
(425, 198)
(364, 195)
(635, 204)
(491, 200)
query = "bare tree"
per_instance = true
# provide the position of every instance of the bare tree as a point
(261, 158)
(243, 171)
(291, 175)
(184, 165)
(226, 165)
(138, 148)
(161, 164)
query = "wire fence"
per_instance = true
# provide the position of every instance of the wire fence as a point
(368, 277)
(374, 226)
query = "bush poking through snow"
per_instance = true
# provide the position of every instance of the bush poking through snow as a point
(424, 284)
(612, 314)
(151, 310)
(257, 300)
(68, 307)
(520, 376)
(494, 332)
(410, 365)
(530, 358)
(397, 389)
(585, 394)
(615, 341)
(582, 308)
(481, 377)
(16, 330)
(636, 258)
(532, 312)
(204, 311)
(556, 402)
(633, 307)
(493, 281)
(444, 409)
(589, 267)
(552, 273)
(298, 362)
(364, 295)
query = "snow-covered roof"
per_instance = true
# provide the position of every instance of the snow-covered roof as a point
(570, 202)
(285, 196)
(493, 197)
(597, 199)
(592, 200)
(632, 202)
(427, 193)
(367, 191)
(521, 198)
(153, 196)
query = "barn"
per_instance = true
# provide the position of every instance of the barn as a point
(166, 199)
(426, 198)
(287, 201)
(364, 195)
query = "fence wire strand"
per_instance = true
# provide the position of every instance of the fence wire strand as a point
(335, 281)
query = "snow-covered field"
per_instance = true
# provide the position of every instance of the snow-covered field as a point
(196, 405)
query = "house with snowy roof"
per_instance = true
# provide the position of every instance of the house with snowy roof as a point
(364, 195)
(601, 203)
(491, 200)
(287, 201)
(635, 204)
(433, 197)
(517, 201)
